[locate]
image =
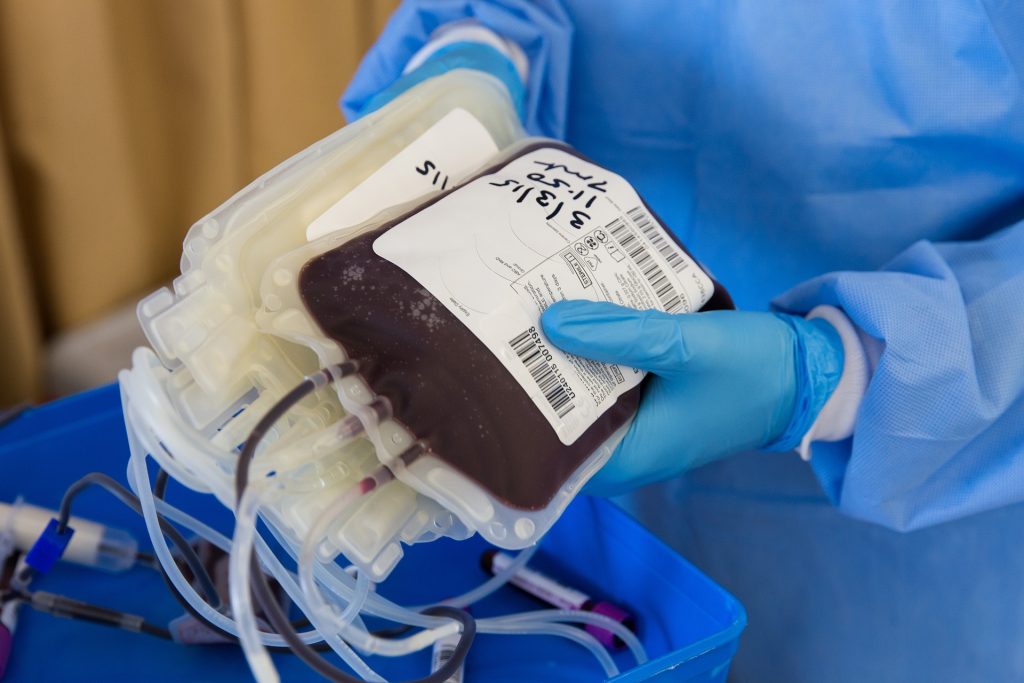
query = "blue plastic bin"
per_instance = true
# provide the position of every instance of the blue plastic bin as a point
(689, 625)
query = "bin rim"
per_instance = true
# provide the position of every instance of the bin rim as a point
(675, 658)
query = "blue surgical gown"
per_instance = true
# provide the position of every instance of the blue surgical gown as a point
(867, 154)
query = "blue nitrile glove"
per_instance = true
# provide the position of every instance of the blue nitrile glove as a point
(463, 55)
(722, 382)
(541, 29)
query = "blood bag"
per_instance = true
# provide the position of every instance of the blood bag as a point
(372, 247)
(439, 308)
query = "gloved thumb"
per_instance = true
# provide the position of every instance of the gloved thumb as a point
(646, 340)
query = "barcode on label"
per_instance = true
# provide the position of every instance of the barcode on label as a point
(537, 363)
(650, 231)
(444, 656)
(641, 257)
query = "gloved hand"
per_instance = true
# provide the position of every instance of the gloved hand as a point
(723, 382)
(541, 29)
(460, 55)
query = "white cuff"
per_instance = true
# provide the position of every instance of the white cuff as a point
(470, 31)
(837, 417)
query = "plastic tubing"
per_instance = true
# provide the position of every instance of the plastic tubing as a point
(572, 633)
(216, 482)
(146, 399)
(332, 575)
(137, 475)
(542, 622)
(138, 481)
(319, 606)
(341, 583)
(513, 624)
(204, 473)
(283, 576)
(355, 606)
(398, 647)
(338, 581)
(559, 615)
(490, 585)
(307, 560)
(529, 622)
(240, 590)
(341, 648)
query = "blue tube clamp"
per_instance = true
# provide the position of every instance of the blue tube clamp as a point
(49, 547)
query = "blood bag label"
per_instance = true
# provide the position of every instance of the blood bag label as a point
(440, 158)
(546, 226)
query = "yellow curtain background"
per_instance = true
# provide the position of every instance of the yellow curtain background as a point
(123, 121)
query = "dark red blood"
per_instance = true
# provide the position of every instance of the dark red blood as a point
(444, 385)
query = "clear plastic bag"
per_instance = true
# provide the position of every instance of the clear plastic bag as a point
(213, 371)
